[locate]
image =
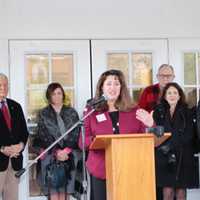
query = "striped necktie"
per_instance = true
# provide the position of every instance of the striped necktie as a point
(6, 114)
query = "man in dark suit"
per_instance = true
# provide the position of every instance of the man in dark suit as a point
(13, 138)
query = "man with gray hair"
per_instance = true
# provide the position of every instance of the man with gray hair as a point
(151, 94)
(13, 138)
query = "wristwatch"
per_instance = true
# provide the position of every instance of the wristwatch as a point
(2, 149)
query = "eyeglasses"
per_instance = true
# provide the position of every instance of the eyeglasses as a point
(168, 76)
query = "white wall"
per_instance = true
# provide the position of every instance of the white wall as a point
(99, 19)
(95, 19)
(4, 56)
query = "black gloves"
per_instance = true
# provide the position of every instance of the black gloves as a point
(165, 149)
(170, 156)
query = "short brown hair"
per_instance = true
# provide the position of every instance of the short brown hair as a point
(124, 101)
(50, 89)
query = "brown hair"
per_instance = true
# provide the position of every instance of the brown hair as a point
(124, 101)
(51, 88)
(182, 100)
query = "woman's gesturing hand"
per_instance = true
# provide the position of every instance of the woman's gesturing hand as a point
(145, 117)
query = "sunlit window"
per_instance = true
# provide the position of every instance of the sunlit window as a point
(192, 76)
(137, 68)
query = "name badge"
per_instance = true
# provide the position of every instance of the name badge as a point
(101, 117)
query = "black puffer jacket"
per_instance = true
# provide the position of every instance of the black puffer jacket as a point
(175, 161)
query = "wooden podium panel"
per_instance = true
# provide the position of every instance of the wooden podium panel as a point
(130, 165)
(102, 141)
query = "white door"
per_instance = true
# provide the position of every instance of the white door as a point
(184, 54)
(138, 59)
(34, 64)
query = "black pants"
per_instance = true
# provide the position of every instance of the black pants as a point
(159, 193)
(98, 189)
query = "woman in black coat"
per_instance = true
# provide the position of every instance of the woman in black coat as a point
(175, 162)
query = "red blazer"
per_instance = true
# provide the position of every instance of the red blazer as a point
(100, 123)
(149, 97)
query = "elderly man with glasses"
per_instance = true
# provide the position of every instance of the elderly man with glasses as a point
(150, 96)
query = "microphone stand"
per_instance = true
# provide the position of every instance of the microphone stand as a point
(84, 183)
(78, 123)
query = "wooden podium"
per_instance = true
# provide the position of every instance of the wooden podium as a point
(130, 165)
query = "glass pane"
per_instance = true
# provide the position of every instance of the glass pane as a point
(136, 94)
(189, 69)
(35, 101)
(69, 100)
(62, 69)
(118, 61)
(142, 69)
(37, 69)
(34, 188)
(191, 96)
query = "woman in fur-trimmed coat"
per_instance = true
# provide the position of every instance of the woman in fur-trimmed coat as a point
(53, 121)
(175, 161)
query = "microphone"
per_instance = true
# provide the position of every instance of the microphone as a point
(157, 131)
(94, 102)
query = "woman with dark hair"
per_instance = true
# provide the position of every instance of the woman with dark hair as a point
(118, 116)
(175, 162)
(54, 120)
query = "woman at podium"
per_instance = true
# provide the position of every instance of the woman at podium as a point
(117, 115)
(175, 161)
